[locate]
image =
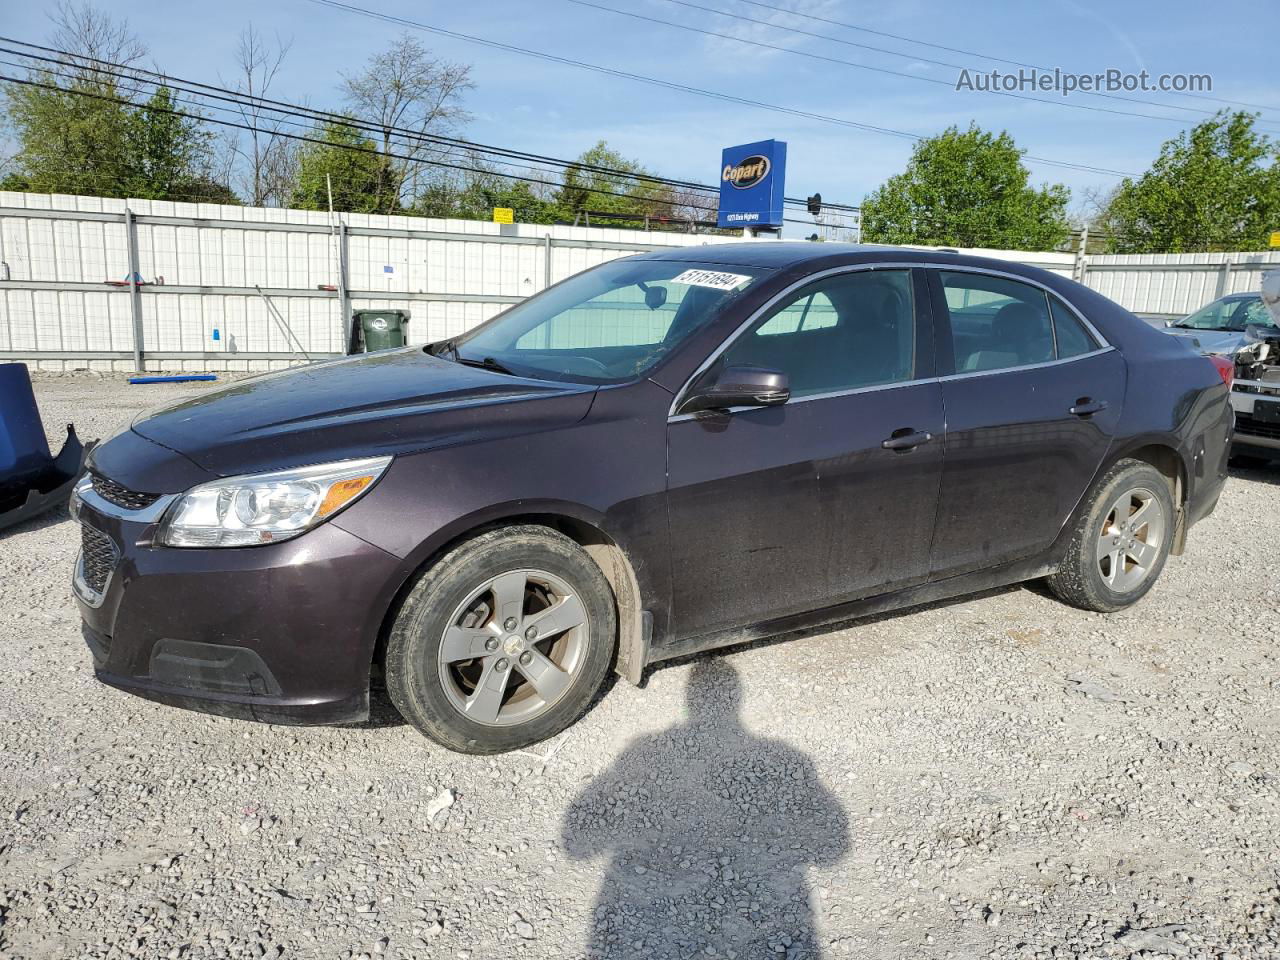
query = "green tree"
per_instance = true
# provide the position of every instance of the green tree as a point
(1215, 187)
(72, 140)
(86, 138)
(168, 152)
(82, 129)
(968, 189)
(476, 199)
(352, 163)
(588, 190)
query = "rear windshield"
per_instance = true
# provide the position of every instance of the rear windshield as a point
(609, 324)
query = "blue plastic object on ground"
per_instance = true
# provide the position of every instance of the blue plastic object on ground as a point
(24, 451)
(179, 378)
(31, 481)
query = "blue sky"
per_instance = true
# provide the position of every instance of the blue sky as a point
(559, 110)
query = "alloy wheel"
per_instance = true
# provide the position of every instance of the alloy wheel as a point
(1131, 539)
(513, 647)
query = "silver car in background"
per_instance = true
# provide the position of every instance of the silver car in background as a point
(1241, 328)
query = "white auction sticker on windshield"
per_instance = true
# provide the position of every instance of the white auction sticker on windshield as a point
(710, 278)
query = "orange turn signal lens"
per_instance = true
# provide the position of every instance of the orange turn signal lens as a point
(342, 493)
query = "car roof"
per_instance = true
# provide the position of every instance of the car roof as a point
(781, 254)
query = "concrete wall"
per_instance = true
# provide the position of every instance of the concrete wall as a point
(1161, 285)
(201, 265)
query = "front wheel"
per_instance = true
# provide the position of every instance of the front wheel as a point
(503, 642)
(1121, 541)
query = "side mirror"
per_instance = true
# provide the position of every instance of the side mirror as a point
(738, 387)
(1169, 323)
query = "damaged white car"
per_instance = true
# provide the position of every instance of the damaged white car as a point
(1245, 329)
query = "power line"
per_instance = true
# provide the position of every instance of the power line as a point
(971, 53)
(337, 120)
(326, 143)
(683, 88)
(950, 85)
(278, 106)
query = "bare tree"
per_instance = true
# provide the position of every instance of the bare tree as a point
(87, 34)
(268, 161)
(409, 94)
(1092, 213)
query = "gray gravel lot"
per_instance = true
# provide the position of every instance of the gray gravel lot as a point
(999, 777)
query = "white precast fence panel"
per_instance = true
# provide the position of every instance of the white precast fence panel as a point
(1161, 285)
(65, 299)
(1064, 264)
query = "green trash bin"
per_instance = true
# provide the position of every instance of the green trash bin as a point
(378, 330)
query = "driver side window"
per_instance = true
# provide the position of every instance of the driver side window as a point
(837, 334)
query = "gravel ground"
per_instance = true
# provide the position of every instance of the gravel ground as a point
(1000, 777)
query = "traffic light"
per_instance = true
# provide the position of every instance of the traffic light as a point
(814, 204)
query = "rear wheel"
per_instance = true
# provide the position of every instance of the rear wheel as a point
(503, 642)
(1121, 541)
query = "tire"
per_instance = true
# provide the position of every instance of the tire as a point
(461, 663)
(1090, 576)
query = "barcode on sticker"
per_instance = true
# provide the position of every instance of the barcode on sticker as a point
(710, 278)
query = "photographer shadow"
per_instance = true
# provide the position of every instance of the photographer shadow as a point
(709, 832)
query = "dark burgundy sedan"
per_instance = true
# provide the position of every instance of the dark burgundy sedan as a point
(664, 454)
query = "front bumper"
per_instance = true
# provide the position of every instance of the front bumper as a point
(282, 633)
(1252, 432)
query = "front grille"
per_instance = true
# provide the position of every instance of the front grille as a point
(1257, 428)
(97, 559)
(122, 496)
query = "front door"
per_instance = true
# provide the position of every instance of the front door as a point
(829, 497)
(1031, 409)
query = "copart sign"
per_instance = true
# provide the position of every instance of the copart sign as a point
(752, 177)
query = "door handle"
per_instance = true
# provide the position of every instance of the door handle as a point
(906, 439)
(1087, 406)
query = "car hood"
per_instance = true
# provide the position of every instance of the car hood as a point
(1225, 342)
(397, 401)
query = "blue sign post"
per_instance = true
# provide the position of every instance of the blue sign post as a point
(752, 178)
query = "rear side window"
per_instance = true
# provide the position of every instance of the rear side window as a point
(1069, 333)
(997, 323)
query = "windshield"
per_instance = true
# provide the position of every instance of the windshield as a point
(606, 325)
(1229, 313)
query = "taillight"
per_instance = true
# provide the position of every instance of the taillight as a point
(1226, 367)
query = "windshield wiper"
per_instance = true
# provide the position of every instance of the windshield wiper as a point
(444, 347)
(485, 363)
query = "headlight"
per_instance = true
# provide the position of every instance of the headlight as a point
(266, 507)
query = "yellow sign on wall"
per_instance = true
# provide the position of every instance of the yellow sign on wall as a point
(504, 215)
(1274, 239)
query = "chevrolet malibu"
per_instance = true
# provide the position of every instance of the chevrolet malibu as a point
(662, 455)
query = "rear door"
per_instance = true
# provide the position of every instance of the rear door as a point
(1032, 396)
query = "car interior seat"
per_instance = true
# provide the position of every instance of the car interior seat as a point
(1019, 335)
